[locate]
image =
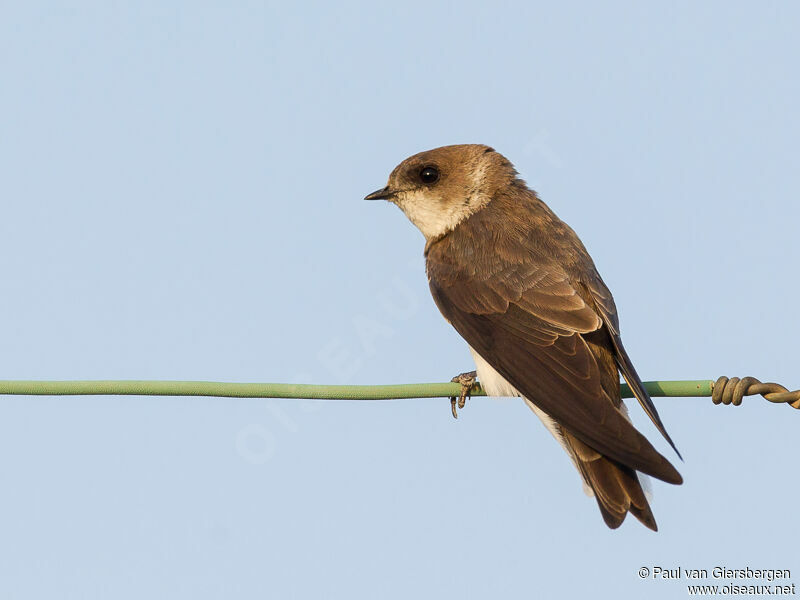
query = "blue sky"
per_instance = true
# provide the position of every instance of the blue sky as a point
(181, 190)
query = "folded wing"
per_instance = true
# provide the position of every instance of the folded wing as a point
(532, 323)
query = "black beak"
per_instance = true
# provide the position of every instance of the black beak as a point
(382, 194)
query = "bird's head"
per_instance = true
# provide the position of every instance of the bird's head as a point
(439, 188)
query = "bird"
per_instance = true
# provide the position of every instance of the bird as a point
(519, 286)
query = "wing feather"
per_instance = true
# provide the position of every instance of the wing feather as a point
(529, 320)
(605, 307)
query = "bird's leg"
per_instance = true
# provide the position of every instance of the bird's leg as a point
(467, 381)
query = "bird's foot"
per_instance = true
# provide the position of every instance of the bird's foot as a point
(467, 381)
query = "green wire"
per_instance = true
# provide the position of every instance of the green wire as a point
(679, 389)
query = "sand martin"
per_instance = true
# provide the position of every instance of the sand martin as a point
(519, 286)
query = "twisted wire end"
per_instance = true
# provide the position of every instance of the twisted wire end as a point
(731, 391)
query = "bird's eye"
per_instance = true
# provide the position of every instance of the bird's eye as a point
(429, 175)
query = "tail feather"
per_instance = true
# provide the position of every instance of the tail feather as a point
(616, 487)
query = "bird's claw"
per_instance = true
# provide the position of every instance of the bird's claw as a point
(467, 381)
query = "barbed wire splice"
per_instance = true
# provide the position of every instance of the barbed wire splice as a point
(731, 391)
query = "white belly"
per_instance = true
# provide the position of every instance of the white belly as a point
(496, 385)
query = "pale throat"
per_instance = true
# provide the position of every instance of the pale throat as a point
(434, 218)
